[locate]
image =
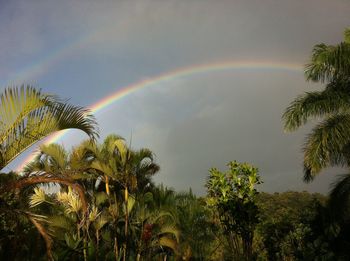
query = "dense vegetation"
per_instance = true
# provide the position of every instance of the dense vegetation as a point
(98, 201)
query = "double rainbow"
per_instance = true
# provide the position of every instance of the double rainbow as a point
(171, 75)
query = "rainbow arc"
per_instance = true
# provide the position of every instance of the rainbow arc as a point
(172, 75)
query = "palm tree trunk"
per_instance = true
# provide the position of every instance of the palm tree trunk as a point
(126, 198)
(97, 235)
(116, 249)
(107, 185)
(85, 248)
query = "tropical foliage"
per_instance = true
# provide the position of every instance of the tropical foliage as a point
(329, 141)
(233, 195)
(98, 201)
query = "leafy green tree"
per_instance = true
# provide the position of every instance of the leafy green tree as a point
(328, 144)
(233, 194)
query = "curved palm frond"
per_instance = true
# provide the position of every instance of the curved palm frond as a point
(329, 62)
(37, 221)
(47, 178)
(325, 145)
(315, 104)
(52, 158)
(27, 116)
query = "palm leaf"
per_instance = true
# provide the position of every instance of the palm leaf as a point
(27, 116)
(315, 105)
(325, 144)
(37, 198)
(329, 62)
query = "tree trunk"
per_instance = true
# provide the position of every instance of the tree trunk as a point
(126, 199)
(116, 249)
(97, 235)
(107, 185)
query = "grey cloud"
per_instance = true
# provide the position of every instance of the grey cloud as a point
(191, 123)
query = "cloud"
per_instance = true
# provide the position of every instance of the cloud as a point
(88, 49)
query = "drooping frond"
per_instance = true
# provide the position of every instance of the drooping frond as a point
(82, 155)
(315, 104)
(37, 221)
(27, 116)
(52, 158)
(55, 154)
(61, 222)
(325, 144)
(329, 62)
(168, 242)
(170, 231)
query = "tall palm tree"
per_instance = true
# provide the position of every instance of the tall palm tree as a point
(328, 144)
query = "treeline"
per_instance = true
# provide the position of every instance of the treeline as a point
(112, 210)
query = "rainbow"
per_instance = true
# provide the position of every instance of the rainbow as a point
(169, 76)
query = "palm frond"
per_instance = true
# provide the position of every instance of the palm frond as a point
(100, 198)
(329, 62)
(168, 242)
(61, 222)
(325, 144)
(55, 154)
(315, 104)
(170, 231)
(37, 198)
(100, 222)
(70, 201)
(37, 222)
(27, 116)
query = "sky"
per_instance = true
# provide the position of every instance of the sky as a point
(85, 51)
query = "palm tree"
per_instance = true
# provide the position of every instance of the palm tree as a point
(122, 168)
(157, 232)
(328, 144)
(26, 116)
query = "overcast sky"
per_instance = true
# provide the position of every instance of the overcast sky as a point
(87, 50)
